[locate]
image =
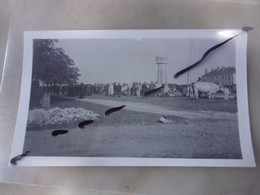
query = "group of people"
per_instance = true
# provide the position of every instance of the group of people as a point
(108, 89)
(117, 89)
(136, 89)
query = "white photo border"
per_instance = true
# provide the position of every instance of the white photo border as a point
(242, 101)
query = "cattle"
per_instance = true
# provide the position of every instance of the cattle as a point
(208, 88)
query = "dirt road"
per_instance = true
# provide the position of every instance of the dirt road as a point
(155, 109)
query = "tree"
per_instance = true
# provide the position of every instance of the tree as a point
(51, 64)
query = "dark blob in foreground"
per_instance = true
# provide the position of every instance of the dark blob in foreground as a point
(115, 109)
(84, 123)
(150, 92)
(14, 160)
(58, 132)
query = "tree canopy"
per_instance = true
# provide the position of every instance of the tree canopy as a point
(51, 64)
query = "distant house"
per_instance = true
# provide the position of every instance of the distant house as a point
(225, 76)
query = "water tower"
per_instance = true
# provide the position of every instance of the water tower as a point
(161, 75)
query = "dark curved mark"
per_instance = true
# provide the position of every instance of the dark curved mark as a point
(203, 57)
(14, 160)
(109, 111)
(153, 91)
(244, 29)
(58, 132)
(247, 28)
(84, 123)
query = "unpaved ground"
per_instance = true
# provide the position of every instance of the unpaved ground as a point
(155, 109)
(129, 133)
(178, 103)
(199, 139)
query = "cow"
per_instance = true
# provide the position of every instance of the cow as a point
(207, 87)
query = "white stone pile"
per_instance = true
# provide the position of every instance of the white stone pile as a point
(59, 116)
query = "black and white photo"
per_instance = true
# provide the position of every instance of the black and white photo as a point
(110, 98)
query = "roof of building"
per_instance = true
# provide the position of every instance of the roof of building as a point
(221, 71)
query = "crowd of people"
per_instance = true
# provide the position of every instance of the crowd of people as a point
(108, 89)
(115, 89)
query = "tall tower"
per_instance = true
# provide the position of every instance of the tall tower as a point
(161, 75)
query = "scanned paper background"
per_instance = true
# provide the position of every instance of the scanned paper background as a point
(78, 15)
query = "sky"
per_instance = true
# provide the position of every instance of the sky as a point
(134, 60)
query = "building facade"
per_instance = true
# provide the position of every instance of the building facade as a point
(225, 76)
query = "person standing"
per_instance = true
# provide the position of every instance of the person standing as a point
(139, 88)
(153, 86)
(119, 89)
(111, 90)
(81, 91)
(145, 88)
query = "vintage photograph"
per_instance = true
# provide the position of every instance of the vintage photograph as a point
(118, 97)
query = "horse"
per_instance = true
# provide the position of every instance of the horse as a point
(207, 87)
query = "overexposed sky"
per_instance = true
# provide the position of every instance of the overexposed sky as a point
(131, 60)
